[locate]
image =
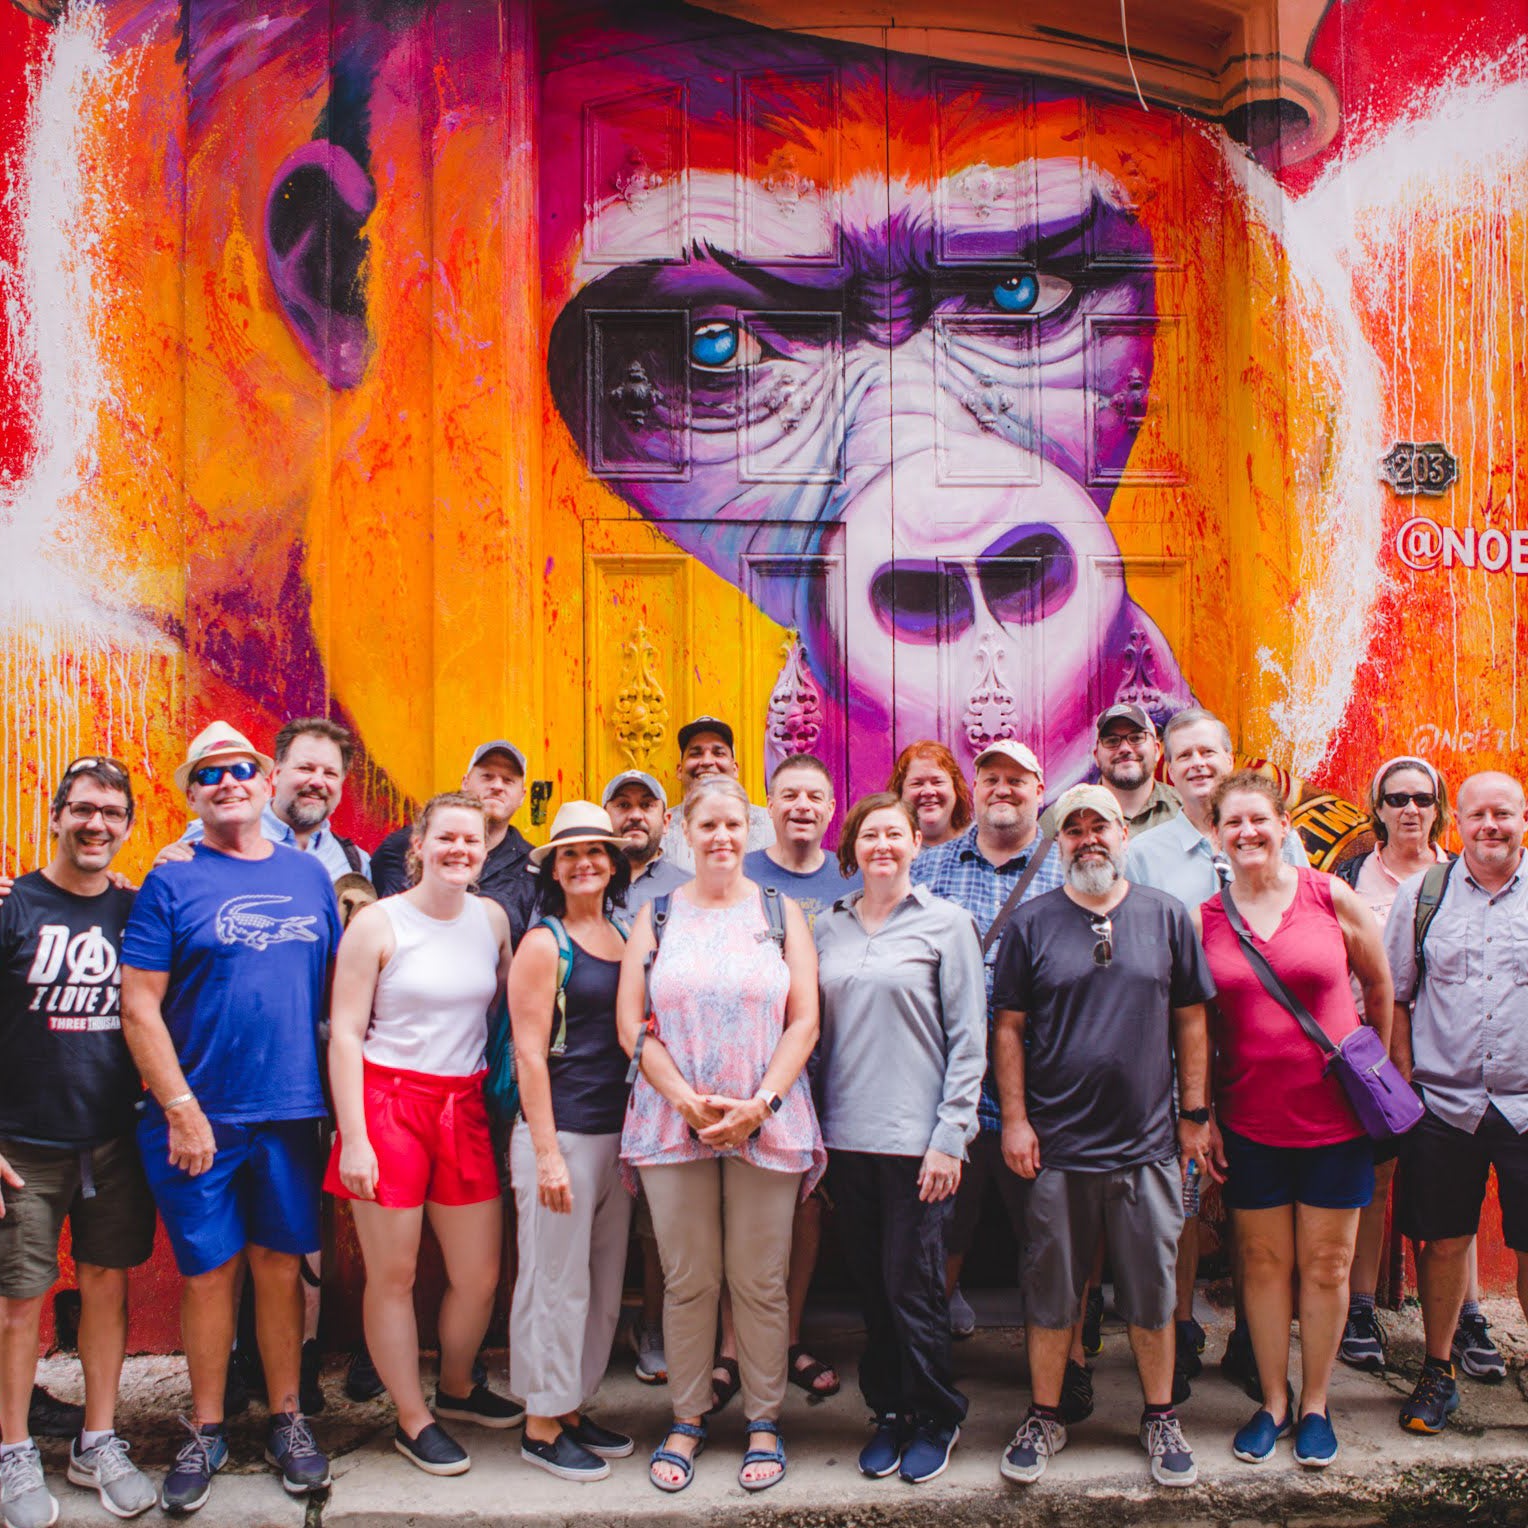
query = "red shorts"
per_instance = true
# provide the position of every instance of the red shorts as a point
(431, 1138)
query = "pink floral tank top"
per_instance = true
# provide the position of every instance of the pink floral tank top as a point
(718, 990)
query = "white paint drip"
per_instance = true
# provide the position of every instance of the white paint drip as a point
(59, 644)
(1452, 164)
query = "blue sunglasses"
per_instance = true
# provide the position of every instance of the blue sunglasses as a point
(212, 774)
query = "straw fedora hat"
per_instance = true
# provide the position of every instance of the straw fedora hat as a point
(578, 822)
(219, 741)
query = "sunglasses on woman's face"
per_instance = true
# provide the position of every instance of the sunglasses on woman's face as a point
(212, 774)
(1103, 951)
(1398, 799)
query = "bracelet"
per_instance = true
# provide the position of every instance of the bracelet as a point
(177, 1101)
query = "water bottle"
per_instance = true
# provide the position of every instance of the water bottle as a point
(1191, 1191)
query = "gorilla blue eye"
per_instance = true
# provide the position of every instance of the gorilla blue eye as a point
(1016, 294)
(713, 344)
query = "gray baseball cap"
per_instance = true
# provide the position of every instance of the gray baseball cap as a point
(632, 777)
(1126, 711)
(498, 745)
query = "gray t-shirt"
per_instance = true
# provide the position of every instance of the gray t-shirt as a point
(1098, 1039)
(812, 893)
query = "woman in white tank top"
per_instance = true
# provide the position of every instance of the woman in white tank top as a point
(415, 981)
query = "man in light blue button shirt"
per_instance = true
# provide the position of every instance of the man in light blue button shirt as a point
(1461, 1035)
(312, 759)
(1179, 858)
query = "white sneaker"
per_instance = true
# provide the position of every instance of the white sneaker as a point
(24, 1495)
(124, 1489)
(1033, 1446)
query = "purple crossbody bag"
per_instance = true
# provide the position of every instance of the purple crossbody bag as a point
(1382, 1099)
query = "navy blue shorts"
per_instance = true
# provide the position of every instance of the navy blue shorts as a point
(262, 1189)
(1339, 1177)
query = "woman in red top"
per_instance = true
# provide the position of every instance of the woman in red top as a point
(1299, 1167)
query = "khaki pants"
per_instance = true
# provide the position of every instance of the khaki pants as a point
(724, 1219)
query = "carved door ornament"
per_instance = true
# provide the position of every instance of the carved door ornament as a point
(636, 180)
(982, 186)
(787, 399)
(637, 396)
(1131, 401)
(992, 711)
(987, 403)
(1138, 687)
(795, 703)
(641, 708)
(786, 184)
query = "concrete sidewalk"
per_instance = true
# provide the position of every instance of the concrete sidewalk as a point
(1476, 1472)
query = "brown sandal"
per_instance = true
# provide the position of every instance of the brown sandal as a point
(723, 1391)
(808, 1376)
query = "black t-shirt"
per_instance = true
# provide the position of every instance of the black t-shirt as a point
(67, 1078)
(506, 877)
(1098, 1039)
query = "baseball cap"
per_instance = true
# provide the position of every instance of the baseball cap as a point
(1126, 711)
(715, 724)
(633, 777)
(1096, 798)
(498, 745)
(219, 741)
(1018, 753)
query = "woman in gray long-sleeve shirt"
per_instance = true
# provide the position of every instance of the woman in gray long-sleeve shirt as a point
(903, 1049)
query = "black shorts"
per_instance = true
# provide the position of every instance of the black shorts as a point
(1443, 1176)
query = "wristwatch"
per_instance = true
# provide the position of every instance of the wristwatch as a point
(1195, 1116)
(770, 1097)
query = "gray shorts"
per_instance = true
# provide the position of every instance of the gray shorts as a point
(1137, 1210)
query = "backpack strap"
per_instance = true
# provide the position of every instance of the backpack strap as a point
(774, 915)
(660, 916)
(1429, 899)
(351, 852)
(564, 971)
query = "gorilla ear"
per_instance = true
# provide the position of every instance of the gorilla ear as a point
(315, 251)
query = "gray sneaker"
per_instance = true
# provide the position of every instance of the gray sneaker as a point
(24, 1494)
(652, 1367)
(962, 1317)
(124, 1489)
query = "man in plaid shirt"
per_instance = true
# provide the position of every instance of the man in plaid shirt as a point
(978, 870)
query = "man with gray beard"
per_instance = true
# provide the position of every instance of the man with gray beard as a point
(1100, 987)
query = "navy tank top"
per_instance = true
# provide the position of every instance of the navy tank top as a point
(589, 1079)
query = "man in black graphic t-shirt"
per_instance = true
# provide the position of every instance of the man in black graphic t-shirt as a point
(68, 1107)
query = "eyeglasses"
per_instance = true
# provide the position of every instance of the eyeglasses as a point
(1103, 951)
(1114, 741)
(212, 774)
(1398, 799)
(110, 766)
(83, 811)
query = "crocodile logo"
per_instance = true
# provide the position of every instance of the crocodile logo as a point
(241, 921)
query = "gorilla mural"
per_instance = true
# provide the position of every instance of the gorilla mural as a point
(933, 378)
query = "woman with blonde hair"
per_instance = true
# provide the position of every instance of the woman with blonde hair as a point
(415, 979)
(718, 1010)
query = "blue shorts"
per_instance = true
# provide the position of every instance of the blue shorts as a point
(262, 1189)
(1259, 1177)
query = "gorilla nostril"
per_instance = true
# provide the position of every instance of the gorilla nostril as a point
(1027, 575)
(923, 602)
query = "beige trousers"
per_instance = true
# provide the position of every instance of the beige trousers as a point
(724, 1219)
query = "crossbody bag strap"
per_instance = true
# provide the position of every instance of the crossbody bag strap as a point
(1270, 979)
(1005, 912)
(659, 914)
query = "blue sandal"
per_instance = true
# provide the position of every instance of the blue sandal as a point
(775, 1455)
(685, 1466)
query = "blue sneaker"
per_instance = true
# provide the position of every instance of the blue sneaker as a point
(1315, 1442)
(1434, 1401)
(201, 1456)
(927, 1455)
(292, 1449)
(881, 1456)
(1256, 1440)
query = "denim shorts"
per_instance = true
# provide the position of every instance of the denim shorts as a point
(1337, 1177)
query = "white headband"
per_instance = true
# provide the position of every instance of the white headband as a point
(1410, 762)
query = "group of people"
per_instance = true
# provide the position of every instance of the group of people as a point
(718, 1028)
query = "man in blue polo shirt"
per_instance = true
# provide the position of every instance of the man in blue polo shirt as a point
(226, 961)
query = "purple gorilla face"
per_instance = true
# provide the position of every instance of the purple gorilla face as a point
(938, 415)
